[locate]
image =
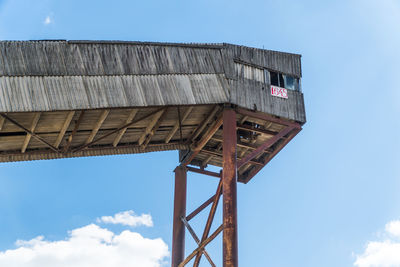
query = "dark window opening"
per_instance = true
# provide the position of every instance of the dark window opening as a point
(282, 80)
(274, 78)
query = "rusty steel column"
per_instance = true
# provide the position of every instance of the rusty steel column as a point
(178, 234)
(229, 177)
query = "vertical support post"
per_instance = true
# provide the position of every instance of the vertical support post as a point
(229, 177)
(178, 235)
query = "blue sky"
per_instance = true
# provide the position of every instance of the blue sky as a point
(320, 202)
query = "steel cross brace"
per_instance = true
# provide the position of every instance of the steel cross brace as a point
(226, 187)
(205, 239)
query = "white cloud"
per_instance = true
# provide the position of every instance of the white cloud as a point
(86, 247)
(48, 20)
(128, 218)
(393, 228)
(384, 253)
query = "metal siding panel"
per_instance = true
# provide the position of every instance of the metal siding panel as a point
(13, 58)
(77, 93)
(20, 94)
(54, 52)
(95, 90)
(5, 101)
(111, 59)
(168, 90)
(133, 91)
(2, 63)
(128, 60)
(73, 60)
(91, 59)
(151, 90)
(182, 83)
(56, 93)
(38, 93)
(34, 58)
(115, 92)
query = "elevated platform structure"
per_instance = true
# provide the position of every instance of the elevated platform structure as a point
(61, 99)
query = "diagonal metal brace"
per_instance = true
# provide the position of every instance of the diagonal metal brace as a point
(202, 245)
(209, 220)
(191, 231)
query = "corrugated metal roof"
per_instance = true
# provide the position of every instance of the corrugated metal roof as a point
(49, 93)
(71, 75)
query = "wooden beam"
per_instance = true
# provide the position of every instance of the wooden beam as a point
(41, 151)
(30, 132)
(210, 157)
(266, 117)
(264, 146)
(272, 155)
(215, 153)
(118, 129)
(150, 126)
(130, 118)
(204, 123)
(205, 172)
(176, 126)
(154, 129)
(64, 128)
(197, 147)
(71, 136)
(98, 124)
(256, 130)
(2, 120)
(35, 121)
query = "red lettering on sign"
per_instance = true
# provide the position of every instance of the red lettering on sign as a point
(279, 91)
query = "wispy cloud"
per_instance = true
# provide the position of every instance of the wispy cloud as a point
(385, 253)
(88, 246)
(127, 218)
(48, 20)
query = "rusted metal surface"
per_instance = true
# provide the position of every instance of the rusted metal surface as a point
(202, 245)
(205, 172)
(196, 238)
(200, 208)
(209, 221)
(178, 235)
(229, 183)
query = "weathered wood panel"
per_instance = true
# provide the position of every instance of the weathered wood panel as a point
(257, 96)
(51, 93)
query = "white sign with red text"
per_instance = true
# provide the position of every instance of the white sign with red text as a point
(279, 91)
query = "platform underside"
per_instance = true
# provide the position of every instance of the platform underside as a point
(194, 130)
